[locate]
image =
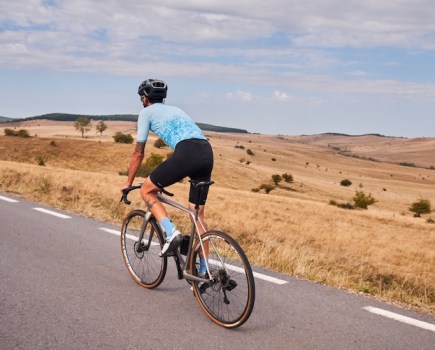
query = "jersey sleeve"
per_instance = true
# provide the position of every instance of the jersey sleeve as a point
(143, 126)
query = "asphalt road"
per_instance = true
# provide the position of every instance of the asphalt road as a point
(64, 286)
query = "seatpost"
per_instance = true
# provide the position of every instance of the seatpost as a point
(198, 198)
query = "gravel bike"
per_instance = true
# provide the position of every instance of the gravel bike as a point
(226, 293)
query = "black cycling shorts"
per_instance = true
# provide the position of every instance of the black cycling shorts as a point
(192, 158)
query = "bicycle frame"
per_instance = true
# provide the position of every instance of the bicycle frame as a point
(220, 288)
(183, 266)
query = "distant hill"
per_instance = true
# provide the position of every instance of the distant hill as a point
(208, 127)
(4, 119)
(347, 135)
(122, 117)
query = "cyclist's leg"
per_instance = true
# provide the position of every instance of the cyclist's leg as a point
(201, 216)
(193, 197)
(148, 193)
(201, 229)
(201, 172)
(169, 172)
(173, 236)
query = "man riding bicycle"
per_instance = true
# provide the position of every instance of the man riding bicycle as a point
(193, 157)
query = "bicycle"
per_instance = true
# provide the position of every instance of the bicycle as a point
(227, 291)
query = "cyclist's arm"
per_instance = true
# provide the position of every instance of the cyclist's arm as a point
(139, 151)
(135, 162)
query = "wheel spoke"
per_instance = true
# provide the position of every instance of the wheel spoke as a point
(145, 266)
(230, 270)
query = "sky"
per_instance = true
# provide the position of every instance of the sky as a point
(273, 67)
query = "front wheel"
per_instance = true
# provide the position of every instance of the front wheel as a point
(141, 243)
(228, 299)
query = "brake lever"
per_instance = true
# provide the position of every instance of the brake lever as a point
(124, 196)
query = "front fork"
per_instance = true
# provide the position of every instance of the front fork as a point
(139, 246)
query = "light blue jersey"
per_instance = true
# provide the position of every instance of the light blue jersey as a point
(169, 123)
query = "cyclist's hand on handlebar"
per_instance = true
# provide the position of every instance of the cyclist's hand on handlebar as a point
(124, 191)
(124, 186)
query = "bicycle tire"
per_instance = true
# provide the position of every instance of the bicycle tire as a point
(229, 300)
(145, 266)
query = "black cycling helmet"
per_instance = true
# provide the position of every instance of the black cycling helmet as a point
(154, 90)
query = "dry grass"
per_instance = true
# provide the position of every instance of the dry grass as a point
(382, 251)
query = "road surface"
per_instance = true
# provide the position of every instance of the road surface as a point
(64, 286)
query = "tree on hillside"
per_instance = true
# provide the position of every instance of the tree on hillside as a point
(422, 206)
(287, 177)
(82, 124)
(101, 126)
(276, 179)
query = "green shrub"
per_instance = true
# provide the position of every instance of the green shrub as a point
(23, 133)
(119, 137)
(159, 143)
(40, 160)
(422, 206)
(19, 133)
(287, 177)
(152, 162)
(345, 206)
(276, 179)
(9, 132)
(341, 205)
(144, 170)
(255, 190)
(250, 152)
(345, 182)
(267, 188)
(362, 200)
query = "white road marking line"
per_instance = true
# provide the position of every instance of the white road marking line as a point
(230, 267)
(114, 232)
(62, 216)
(256, 274)
(6, 199)
(400, 318)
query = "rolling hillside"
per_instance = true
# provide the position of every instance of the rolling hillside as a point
(65, 117)
(4, 119)
(382, 251)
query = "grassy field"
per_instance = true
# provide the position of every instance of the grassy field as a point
(383, 251)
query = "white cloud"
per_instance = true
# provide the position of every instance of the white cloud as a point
(329, 23)
(358, 73)
(239, 95)
(219, 40)
(281, 96)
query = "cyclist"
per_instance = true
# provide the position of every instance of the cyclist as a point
(193, 157)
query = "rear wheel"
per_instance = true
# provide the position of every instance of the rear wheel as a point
(228, 299)
(141, 256)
